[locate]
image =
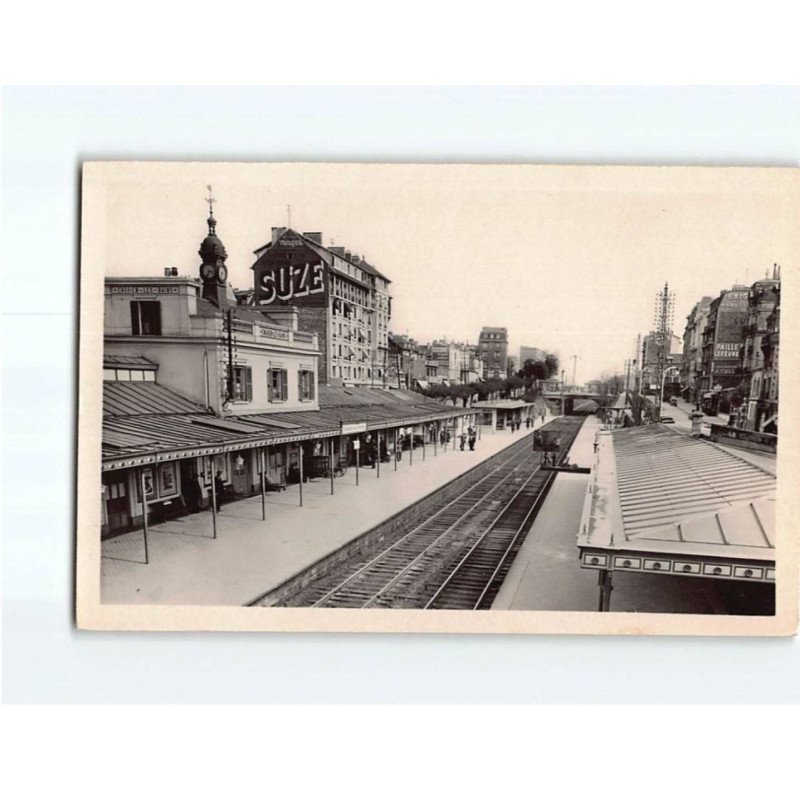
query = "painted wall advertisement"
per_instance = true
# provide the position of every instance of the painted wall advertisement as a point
(290, 272)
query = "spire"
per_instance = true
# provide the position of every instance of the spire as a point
(212, 223)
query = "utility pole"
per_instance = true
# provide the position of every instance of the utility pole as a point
(664, 311)
(574, 367)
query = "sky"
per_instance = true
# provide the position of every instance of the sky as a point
(569, 259)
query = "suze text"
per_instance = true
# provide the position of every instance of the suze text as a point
(287, 282)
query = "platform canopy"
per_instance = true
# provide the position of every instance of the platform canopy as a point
(661, 501)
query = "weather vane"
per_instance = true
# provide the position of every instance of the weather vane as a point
(210, 200)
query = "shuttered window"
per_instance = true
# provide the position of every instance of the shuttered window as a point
(277, 389)
(242, 383)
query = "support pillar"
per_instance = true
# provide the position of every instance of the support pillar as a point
(144, 514)
(358, 458)
(213, 499)
(330, 452)
(378, 465)
(395, 450)
(604, 581)
(300, 465)
(263, 485)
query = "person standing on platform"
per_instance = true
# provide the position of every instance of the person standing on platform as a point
(463, 440)
(219, 489)
(472, 439)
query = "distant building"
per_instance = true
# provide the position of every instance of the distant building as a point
(530, 354)
(767, 413)
(407, 362)
(493, 351)
(692, 366)
(723, 338)
(339, 296)
(659, 351)
(762, 300)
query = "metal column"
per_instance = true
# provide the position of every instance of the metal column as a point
(330, 451)
(263, 486)
(395, 449)
(358, 458)
(213, 499)
(301, 475)
(604, 581)
(144, 514)
(378, 465)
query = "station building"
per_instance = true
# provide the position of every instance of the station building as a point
(196, 385)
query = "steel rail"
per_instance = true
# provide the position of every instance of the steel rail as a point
(358, 573)
(483, 537)
(449, 530)
(533, 510)
(522, 526)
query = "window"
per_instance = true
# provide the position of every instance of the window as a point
(242, 383)
(305, 384)
(145, 318)
(276, 385)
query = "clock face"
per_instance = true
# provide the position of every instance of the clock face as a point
(207, 271)
(222, 273)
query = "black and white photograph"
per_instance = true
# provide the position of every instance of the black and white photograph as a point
(545, 395)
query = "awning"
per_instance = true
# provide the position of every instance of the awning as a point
(663, 502)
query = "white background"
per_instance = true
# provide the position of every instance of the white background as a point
(48, 132)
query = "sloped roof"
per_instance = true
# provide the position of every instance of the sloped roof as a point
(144, 419)
(139, 398)
(658, 490)
(136, 362)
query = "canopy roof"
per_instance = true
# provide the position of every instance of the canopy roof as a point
(661, 494)
(144, 422)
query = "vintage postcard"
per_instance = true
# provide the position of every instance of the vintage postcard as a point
(438, 398)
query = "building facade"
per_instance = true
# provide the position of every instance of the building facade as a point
(692, 366)
(339, 296)
(761, 302)
(767, 412)
(493, 351)
(659, 351)
(723, 338)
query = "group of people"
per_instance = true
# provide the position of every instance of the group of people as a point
(470, 437)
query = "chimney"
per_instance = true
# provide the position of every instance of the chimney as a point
(167, 272)
(356, 259)
(276, 232)
(315, 236)
(347, 254)
(338, 250)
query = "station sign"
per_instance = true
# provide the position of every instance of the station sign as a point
(353, 427)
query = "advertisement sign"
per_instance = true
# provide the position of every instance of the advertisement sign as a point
(353, 427)
(290, 272)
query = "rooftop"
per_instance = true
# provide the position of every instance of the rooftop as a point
(656, 490)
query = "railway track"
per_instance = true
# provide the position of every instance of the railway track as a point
(457, 557)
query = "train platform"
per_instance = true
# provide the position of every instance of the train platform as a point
(546, 574)
(250, 555)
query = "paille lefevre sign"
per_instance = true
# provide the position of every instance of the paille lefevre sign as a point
(290, 272)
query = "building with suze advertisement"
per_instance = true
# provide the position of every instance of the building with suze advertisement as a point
(339, 296)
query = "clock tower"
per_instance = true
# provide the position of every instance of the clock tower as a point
(213, 272)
